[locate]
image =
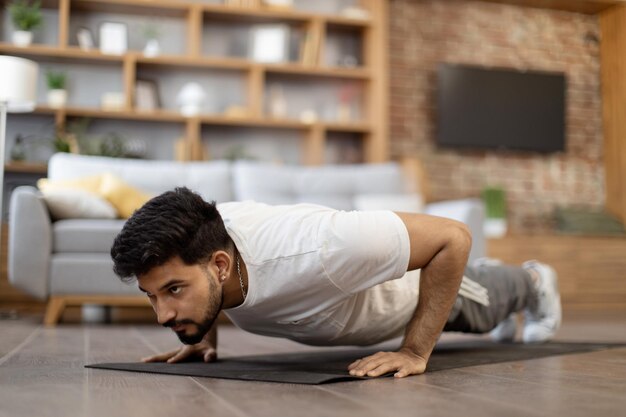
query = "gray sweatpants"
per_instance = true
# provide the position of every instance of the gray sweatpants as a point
(510, 290)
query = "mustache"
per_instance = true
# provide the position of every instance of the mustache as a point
(173, 323)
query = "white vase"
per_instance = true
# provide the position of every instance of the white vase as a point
(152, 48)
(190, 99)
(495, 228)
(57, 98)
(22, 38)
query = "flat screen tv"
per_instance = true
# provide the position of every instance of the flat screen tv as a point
(500, 109)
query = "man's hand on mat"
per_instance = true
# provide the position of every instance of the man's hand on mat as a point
(203, 350)
(403, 363)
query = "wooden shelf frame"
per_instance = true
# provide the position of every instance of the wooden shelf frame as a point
(195, 16)
(613, 67)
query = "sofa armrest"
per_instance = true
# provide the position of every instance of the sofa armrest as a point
(30, 242)
(470, 211)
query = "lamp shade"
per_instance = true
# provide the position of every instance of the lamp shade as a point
(18, 83)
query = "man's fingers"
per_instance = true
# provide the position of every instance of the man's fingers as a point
(384, 362)
(210, 355)
(354, 364)
(368, 365)
(364, 363)
(161, 357)
(383, 369)
(182, 354)
(408, 370)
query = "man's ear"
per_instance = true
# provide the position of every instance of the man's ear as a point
(223, 262)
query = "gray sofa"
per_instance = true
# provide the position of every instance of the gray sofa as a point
(67, 262)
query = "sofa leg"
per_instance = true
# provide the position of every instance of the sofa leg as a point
(54, 310)
(57, 304)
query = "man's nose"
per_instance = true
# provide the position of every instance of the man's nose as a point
(164, 313)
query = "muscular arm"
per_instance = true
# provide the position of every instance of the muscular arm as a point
(439, 247)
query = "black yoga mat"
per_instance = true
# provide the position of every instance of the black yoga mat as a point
(319, 367)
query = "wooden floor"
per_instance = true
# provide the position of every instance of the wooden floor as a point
(42, 374)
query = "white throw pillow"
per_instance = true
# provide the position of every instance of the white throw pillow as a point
(411, 203)
(78, 204)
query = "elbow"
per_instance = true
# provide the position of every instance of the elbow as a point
(461, 238)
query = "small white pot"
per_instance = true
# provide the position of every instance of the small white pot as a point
(57, 98)
(495, 228)
(152, 48)
(22, 38)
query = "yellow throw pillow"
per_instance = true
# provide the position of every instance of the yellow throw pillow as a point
(124, 197)
(90, 184)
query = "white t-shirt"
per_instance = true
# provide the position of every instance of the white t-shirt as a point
(322, 276)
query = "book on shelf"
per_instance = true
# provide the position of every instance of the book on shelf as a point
(310, 47)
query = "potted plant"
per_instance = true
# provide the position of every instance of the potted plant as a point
(57, 94)
(151, 33)
(495, 223)
(25, 17)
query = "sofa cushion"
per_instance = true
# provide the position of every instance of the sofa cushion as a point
(86, 273)
(264, 183)
(78, 204)
(332, 185)
(85, 235)
(211, 179)
(409, 203)
(124, 197)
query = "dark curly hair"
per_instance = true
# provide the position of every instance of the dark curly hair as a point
(175, 223)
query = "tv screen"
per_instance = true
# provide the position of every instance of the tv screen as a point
(498, 108)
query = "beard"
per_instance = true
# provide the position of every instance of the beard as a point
(212, 309)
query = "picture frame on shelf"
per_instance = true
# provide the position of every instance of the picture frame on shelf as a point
(113, 38)
(85, 39)
(269, 43)
(147, 95)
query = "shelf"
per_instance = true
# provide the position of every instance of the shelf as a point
(346, 22)
(26, 167)
(76, 54)
(353, 127)
(218, 119)
(136, 7)
(259, 15)
(253, 122)
(154, 116)
(182, 8)
(357, 73)
(265, 14)
(71, 53)
(193, 53)
(204, 62)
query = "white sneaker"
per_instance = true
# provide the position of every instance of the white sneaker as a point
(505, 331)
(544, 318)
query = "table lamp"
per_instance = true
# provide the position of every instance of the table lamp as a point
(18, 94)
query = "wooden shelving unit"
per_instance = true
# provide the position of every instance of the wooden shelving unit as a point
(613, 29)
(371, 72)
(26, 167)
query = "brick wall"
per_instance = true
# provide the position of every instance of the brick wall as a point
(424, 33)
